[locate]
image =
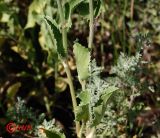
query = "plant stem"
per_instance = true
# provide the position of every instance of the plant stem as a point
(72, 91)
(91, 24)
(81, 130)
(65, 63)
(64, 31)
(124, 26)
(132, 9)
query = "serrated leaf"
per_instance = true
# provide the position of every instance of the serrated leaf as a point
(82, 56)
(47, 45)
(56, 36)
(53, 134)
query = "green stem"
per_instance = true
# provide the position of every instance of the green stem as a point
(72, 91)
(91, 24)
(65, 63)
(132, 9)
(62, 18)
(124, 27)
(81, 130)
(47, 104)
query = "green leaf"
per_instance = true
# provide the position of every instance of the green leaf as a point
(82, 112)
(98, 114)
(85, 97)
(69, 8)
(82, 56)
(99, 109)
(83, 8)
(47, 45)
(56, 36)
(35, 9)
(5, 17)
(107, 93)
(13, 89)
(4, 8)
(53, 134)
(67, 11)
(97, 6)
(74, 3)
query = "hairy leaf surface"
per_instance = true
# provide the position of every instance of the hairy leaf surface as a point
(82, 56)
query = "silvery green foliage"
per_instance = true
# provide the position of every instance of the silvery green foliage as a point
(107, 127)
(22, 114)
(115, 114)
(126, 68)
(47, 125)
(95, 86)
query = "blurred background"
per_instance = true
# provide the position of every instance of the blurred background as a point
(30, 69)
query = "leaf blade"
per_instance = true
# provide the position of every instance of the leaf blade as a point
(56, 36)
(82, 56)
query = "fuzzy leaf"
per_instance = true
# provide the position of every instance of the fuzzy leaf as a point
(82, 56)
(99, 109)
(56, 36)
(85, 97)
(82, 112)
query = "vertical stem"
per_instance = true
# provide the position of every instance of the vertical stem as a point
(62, 18)
(69, 76)
(132, 9)
(65, 63)
(124, 26)
(91, 24)
(81, 130)
(131, 16)
(91, 31)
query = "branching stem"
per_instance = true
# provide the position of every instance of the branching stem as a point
(65, 63)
